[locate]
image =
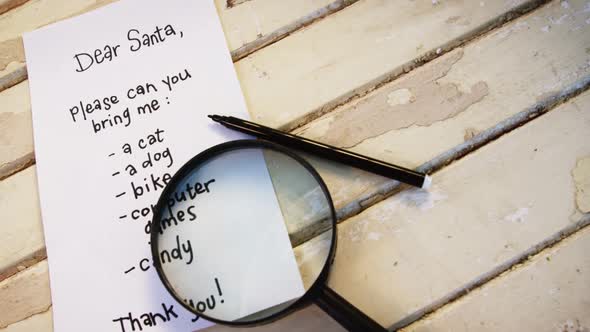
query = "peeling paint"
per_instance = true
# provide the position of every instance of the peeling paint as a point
(410, 199)
(517, 216)
(581, 176)
(458, 20)
(416, 99)
(400, 97)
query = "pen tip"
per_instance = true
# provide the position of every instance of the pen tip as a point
(214, 117)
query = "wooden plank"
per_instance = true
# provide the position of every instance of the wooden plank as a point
(459, 100)
(22, 231)
(551, 292)
(16, 131)
(248, 27)
(42, 322)
(404, 255)
(257, 23)
(24, 294)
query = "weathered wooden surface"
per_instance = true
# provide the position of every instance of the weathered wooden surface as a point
(22, 231)
(512, 86)
(349, 184)
(18, 298)
(389, 254)
(16, 130)
(416, 250)
(303, 76)
(312, 79)
(248, 27)
(459, 100)
(39, 323)
(550, 292)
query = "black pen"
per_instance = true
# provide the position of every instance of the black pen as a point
(333, 153)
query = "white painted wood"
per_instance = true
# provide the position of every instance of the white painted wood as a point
(345, 183)
(16, 130)
(409, 251)
(551, 292)
(24, 294)
(248, 26)
(507, 81)
(42, 322)
(349, 51)
(440, 106)
(253, 20)
(242, 24)
(22, 241)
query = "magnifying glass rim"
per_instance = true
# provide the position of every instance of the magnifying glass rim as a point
(199, 159)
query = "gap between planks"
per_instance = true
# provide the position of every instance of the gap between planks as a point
(506, 267)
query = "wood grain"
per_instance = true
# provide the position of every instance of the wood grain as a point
(550, 292)
(525, 65)
(24, 294)
(16, 130)
(373, 40)
(22, 138)
(42, 322)
(22, 241)
(457, 102)
(411, 252)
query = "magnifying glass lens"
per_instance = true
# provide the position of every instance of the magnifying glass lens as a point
(242, 233)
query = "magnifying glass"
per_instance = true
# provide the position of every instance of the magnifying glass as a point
(245, 233)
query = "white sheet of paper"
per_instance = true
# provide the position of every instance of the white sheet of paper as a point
(101, 168)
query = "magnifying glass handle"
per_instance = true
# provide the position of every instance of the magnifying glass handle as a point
(345, 313)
